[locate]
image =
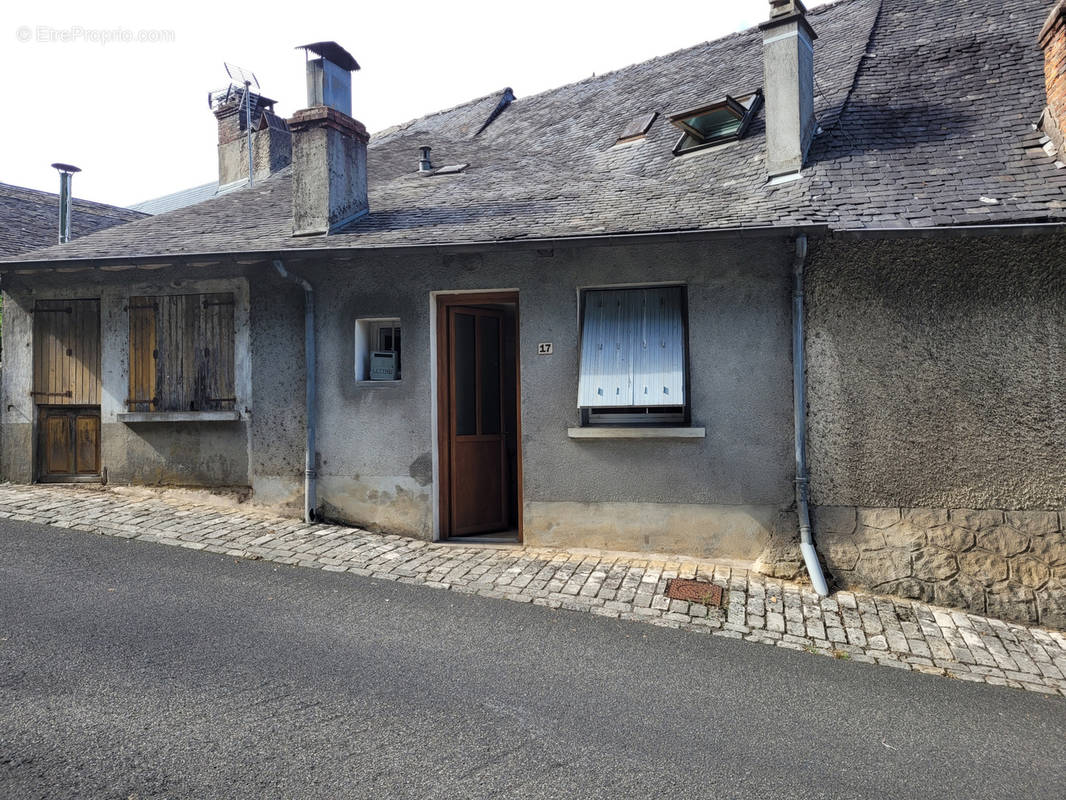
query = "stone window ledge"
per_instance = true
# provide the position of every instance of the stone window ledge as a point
(635, 432)
(178, 416)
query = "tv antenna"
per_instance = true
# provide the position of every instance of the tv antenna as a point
(247, 77)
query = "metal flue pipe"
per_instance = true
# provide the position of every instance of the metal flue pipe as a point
(66, 199)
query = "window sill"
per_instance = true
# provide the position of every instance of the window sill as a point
(635, 432)
(368, 382)
(178, 416)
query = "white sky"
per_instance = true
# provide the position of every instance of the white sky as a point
(133, 115)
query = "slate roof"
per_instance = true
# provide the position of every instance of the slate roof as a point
(29, 219)
(925, 106)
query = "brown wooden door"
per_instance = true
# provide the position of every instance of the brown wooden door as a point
(69, 444)
(478, 441)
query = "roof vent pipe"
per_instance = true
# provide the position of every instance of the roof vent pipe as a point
(66, 171)
(424, 164)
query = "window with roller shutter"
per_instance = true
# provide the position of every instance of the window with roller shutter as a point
(633, 356)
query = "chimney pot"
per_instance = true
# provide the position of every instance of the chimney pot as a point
(781, 8)
(329, 77)
(424, 164)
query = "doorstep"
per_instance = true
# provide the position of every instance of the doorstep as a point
(851, 626)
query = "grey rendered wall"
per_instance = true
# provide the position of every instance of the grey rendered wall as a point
(277, 364)
(720, 495)
(937, 419)
(937, 373)
(185, 454)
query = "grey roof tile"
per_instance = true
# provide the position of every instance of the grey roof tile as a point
(925, 107)
(29, 219)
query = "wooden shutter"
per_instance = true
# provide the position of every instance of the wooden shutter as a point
(213, 383)
(142, 354)
(181, 353)
(66, 352)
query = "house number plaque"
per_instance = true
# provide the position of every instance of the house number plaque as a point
(544, 349)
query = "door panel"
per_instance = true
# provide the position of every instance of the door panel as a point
(87, 444)
(59, 445)
(69, 443)
(477, 491)
(477, 445)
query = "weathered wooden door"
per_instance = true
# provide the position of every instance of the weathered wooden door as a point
(66, 388)
(477, 446)
(69, 443)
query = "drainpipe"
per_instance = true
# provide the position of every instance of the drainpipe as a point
(310, 476)
(799, 405)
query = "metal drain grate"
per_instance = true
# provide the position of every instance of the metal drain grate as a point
(694, 591)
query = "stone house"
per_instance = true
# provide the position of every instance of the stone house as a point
(804, 278)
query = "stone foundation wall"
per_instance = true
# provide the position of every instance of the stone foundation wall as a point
(1007, 564)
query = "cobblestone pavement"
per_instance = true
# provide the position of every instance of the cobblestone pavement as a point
(847, 625)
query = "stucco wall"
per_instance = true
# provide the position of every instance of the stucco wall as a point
(937, 419)
(937, 372)
(277, 364)
(376, 440)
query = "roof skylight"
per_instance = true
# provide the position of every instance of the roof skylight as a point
(638, 127)
(724, 121)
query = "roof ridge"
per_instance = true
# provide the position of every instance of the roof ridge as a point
(600, 76)
(85, 204)
(404, 125)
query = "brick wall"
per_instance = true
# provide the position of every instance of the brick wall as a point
(1053, 43)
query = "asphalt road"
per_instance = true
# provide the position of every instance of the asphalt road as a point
(133, 670)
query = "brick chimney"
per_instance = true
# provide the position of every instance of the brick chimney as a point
(271, 140)
(788, 87)
(1053, 42)
(328, 147)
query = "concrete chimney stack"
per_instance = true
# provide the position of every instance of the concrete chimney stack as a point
(788, 87)
(328, 147)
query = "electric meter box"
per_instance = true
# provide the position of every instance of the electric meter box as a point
(382, 365)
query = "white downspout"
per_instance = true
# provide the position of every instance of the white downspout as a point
(799, 405)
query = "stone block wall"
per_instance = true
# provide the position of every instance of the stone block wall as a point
(1007, 564)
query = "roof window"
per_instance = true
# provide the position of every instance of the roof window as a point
(637, 127)
(724, 121)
